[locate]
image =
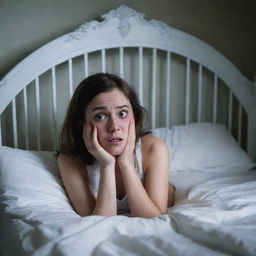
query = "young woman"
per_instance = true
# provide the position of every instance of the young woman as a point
(109, 165)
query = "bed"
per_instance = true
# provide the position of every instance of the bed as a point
(198, 102)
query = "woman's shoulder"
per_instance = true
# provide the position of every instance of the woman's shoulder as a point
(151, 143)
(67, 158)
(153, 150)
(70, 162)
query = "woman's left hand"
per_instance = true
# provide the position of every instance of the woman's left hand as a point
(126, 158)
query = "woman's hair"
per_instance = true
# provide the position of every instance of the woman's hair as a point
(71, 137)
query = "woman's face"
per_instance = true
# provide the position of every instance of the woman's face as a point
(111, 113)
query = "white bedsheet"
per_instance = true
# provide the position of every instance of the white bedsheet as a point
(214, 215)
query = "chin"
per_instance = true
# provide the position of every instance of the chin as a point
(115, 152)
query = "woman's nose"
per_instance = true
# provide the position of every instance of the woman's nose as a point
(113, 124)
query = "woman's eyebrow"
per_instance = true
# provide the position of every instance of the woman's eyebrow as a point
(105, 108)
(122, 106)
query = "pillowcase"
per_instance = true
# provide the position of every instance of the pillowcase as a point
(31, 178)
(203, 147)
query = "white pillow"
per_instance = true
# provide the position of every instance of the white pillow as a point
(203, 147)
(31, 178)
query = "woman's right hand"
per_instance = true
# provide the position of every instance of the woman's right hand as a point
(90, 136)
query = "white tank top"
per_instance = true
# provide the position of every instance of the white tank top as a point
(93, 172)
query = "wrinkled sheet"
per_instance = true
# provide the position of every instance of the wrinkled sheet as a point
(214, 215)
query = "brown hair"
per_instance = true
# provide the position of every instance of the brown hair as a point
(71, 137)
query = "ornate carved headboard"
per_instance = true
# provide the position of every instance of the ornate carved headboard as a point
(179, 79)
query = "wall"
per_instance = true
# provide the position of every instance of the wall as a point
(227, 25)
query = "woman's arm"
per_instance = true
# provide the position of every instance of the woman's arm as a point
(151, 199)
(106, 198)
(75, 180)
(77, 185)
(156, 164)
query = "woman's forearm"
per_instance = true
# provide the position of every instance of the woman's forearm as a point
(106, 199)
(140, 203)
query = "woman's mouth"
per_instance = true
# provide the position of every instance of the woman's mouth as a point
(115, 141)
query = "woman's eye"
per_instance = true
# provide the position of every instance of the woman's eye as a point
(100, 117)
(123, 114)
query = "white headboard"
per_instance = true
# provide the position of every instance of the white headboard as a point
(179, 78)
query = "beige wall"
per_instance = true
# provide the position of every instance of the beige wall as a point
(227, 25)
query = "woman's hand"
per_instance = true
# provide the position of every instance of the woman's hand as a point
(90, 136)
(126, 158)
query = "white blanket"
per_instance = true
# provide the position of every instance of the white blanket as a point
(214, 212)
(216, 216)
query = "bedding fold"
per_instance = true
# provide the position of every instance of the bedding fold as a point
(218, 217)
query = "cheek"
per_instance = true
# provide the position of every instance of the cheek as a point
(100, 130)
(125, 125)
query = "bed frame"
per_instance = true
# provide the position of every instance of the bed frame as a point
(179, 79)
